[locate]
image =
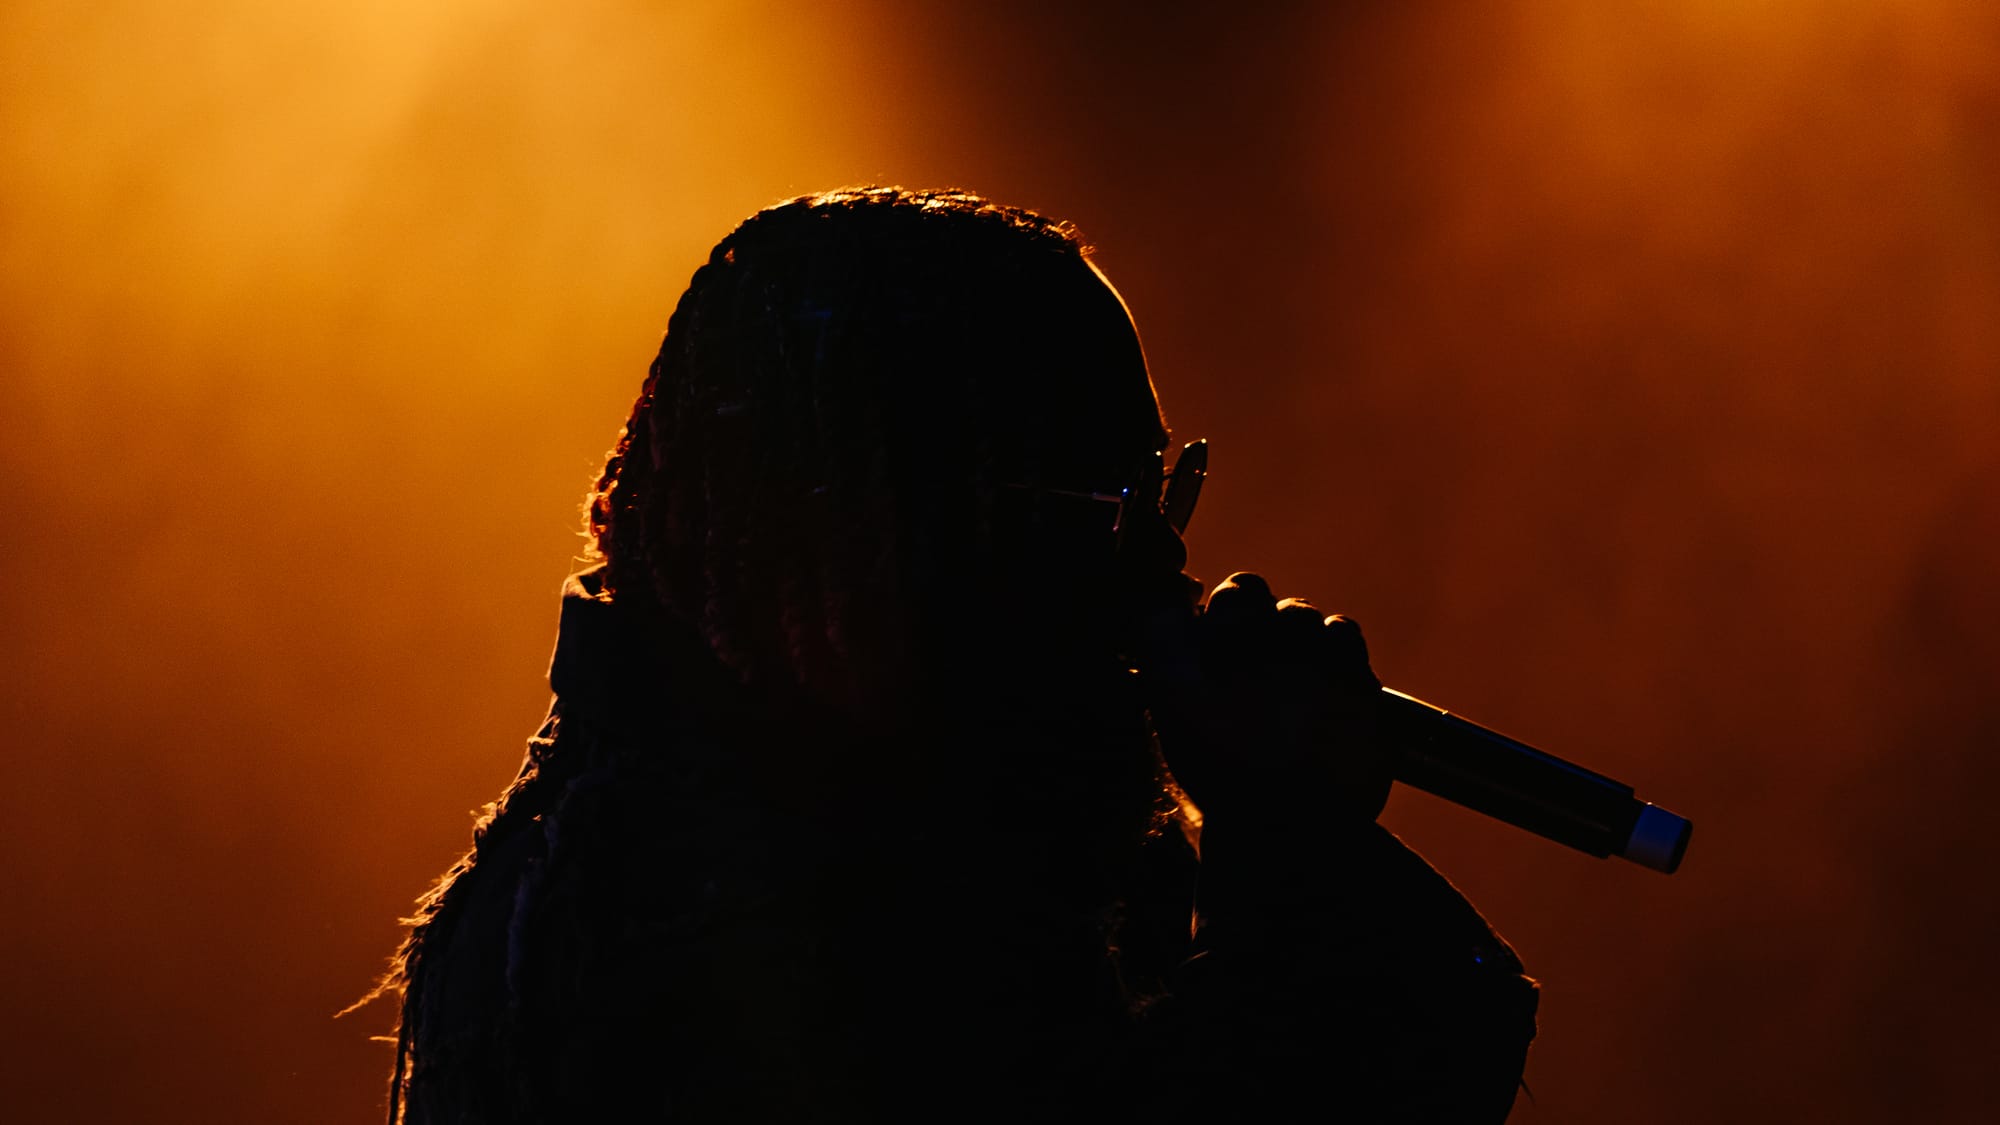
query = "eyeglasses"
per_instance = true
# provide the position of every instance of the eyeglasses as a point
(1174, 491)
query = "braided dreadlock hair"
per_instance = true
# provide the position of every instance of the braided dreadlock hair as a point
(843, 389)
(853, 391)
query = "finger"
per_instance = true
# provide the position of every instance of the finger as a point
(1243, 596)
(1347, 651)
(1298, 630)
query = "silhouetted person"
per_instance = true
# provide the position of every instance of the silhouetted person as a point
(850, 805)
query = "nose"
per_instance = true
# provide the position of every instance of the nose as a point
(1148, 545)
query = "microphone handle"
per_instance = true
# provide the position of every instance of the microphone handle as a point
(1486, 771)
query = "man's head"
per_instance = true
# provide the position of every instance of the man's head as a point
(874, 432)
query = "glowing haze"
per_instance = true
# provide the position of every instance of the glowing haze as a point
(1630, 370)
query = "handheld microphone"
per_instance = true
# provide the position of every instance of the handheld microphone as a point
(1486, 771)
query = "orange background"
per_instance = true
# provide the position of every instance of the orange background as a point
(1631, 370)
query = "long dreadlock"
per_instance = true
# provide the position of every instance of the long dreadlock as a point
(821, 439)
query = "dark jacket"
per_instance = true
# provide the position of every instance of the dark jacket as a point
(661, 922)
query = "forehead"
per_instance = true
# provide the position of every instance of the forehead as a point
(1076, 388)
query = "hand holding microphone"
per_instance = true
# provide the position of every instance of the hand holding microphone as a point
(1270, 712)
